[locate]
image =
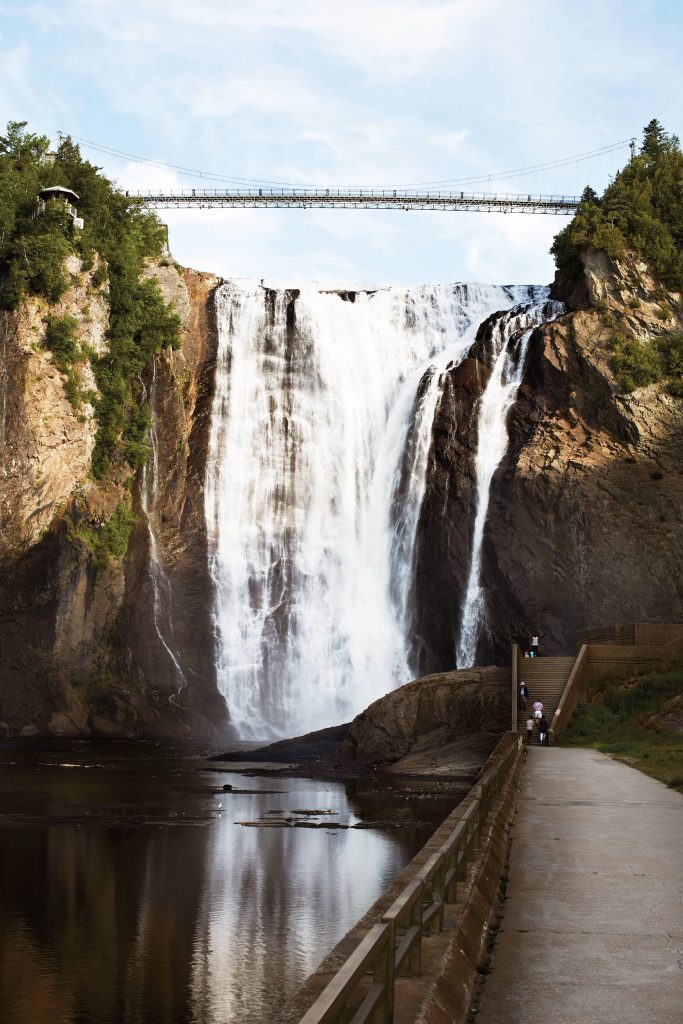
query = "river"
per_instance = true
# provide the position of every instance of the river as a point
(129, 893)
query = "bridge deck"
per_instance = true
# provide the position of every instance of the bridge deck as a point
(592, 928)
(373, 199)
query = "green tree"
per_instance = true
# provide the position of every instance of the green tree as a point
(122, 235)
(589, 195)
(655, 140)
(642, 209)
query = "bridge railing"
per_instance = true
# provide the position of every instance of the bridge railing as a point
(363, 990)
(359, 193)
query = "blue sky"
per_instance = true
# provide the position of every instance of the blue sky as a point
(367, 92)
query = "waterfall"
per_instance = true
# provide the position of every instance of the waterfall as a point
(509, 342)
(320, 433)
(162, 603)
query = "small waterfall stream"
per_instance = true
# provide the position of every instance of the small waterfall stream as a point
(320, 434)
(162, 598)
(509, 346)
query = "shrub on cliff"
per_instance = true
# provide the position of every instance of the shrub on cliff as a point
(637, 363)
(61, 338)
(124, 235)
(110, 540)
(642, 209)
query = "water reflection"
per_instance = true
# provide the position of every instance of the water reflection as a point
(204, 921)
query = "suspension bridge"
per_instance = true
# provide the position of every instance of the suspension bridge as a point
(359, 199)
(445, 195)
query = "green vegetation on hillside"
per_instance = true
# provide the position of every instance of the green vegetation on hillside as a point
(118, 236)
(642, 211)
(110, 539)
(637, 364)
(61, 338)
(614, 721)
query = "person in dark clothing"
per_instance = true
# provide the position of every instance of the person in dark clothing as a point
(543, 731)
(523, 695)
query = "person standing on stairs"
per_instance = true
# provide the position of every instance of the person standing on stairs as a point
(529, 731)
(523, 695)
(534, 646)
(543, 731)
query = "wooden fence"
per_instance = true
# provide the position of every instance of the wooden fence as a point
(362, 991)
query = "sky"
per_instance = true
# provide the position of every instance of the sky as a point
(366, 92)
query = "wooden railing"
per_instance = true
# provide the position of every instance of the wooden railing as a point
(362, 991)
(573, 693)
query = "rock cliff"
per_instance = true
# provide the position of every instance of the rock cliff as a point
(584, 523)
(448, 721)
(89, 642)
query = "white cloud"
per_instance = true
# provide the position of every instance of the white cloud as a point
(15, 62)
(380, 92)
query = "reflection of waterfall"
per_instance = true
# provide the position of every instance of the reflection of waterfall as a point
(275, 901)
(509, 344)
(162, 602)
(320, 433)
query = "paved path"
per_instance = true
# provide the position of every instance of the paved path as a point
(592, 929)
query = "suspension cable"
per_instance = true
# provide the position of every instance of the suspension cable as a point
(476, 179)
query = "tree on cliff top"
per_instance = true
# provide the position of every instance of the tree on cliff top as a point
(642, 209)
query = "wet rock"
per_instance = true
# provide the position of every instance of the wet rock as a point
(450, 717)
(311, 747)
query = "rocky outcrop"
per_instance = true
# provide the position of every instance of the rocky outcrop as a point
(584, 522)
(311, 748)
(87, 642)
(447, 721)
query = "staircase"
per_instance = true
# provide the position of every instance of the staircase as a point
(546, 679)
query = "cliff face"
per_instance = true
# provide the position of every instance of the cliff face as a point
(88, 644)
(45, 445)
(584, 523)
(166, 631)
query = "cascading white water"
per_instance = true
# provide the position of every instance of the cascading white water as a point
(162, 603)
(509, 345)
(320, 434)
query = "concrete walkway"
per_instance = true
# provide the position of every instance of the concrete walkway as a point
(592, 928)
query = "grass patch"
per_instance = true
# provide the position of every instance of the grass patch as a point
(111, 539)
(614, 720)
